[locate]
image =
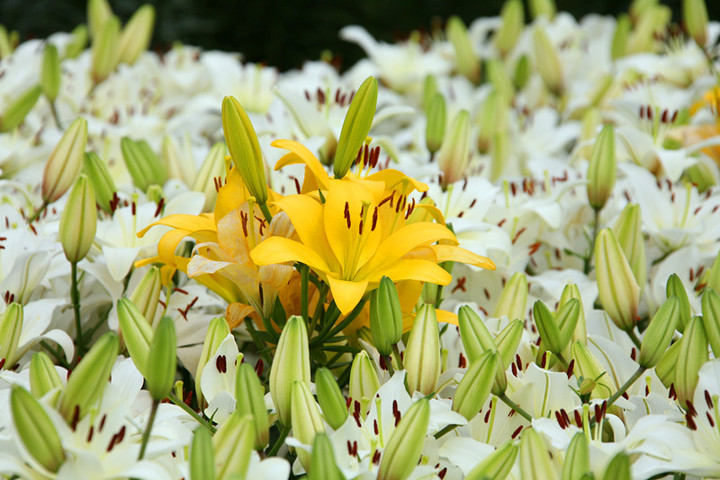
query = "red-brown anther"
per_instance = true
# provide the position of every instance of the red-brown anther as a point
(570, 368)
(307, 96)
(366, 154)
(261, 224)
(375, 427)
(383, 365)
(356, 408)
(511, 413)
(626, 396)
(442, 473)
(348, 401)
(355, 448)
(642, 111)
(102, 423)
(387, 199)
(708, 400)
(516, 432)
(347, 214)
(560, 420)
(349, 447)
(690, 422)
(486, 419)
(259, 367)
(374, 219)
(398, 204)
(517, 235)
(160, 205)
(395, 408)
(598, 413)
(543, 359)
(513, 188)
(244, 223)
(297, 185)
(337, 95)
(376, 457)
(2, 363)
(664, 116)
(578, 418)
(710, 419)
(674, 116)
(519, 362)
(320, 95)
(75, 418)
(691, 409)
(565, 415)
(133, 208)
(90, 434)
(462, 362)
(513, 368)
(221, 364)
(360, 227)
(534, 248)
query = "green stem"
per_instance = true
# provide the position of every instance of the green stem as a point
(588, 258)
(304, 278)
(56, 353)
(633, 336)
(638, 373)
(38, 212)
(53, 109)
(515, 407)
(259, 343)
(146, 433)
(266, 212)
(177, 401)
(75, 297)
(396, 356)
(278, 443)
(447, 429)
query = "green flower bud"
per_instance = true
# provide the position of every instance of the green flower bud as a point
(577, 459)
(249, 396)
(50, 73)
(17, 110)
(513, 23)
(703, 174)
(522, 72)
(244, 148)
(651, 23)
(499, 78)
(676, 288)
(385, 316)
(6, 44)
(711, 319)
(202, 456)
(406, 443)
(65, 161)
(162, 361)
(100, 179)
(35, 429)
(87, 382)
(306, 419)
(78, 41)
(430, 89)
(495, 466)
(618, 468)
(105, 49)
(542, 7)
(567, 319)
(330, 398)
(547, 328)
(422, 353)
(11, 323)
(178, 165)
(454, 155)
(137, 333)
(356, 126)
(364, 382)
(601, 170)
(620, 38)
(291, 364)
(146, 295)
(98, 12)
(233, 444)
(660, 332)
(587, 366)
(474, 388)
(665, 369)
(572, 291)
(217, 331)
(476, 338)
(436, 121)
(713, 276)
(534, 456)
(493, 119)
(78, 221)
(513, 299)
(692, 355)
(618, 290)
(322, 461)
(586, 386)
(508, 340)
(144, 166)
(43, 376)
(547, 61)
(628, 229)
(136, 35)
(467, 62)
(695, 18)
(213, 168)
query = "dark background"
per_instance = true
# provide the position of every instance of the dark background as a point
(283, 33)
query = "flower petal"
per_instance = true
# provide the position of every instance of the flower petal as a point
(346, 294)
(301, 154)
(456, 254)
(280, 250)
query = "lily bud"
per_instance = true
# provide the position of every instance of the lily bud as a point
(385, 316)
(43, 376)
(476, 338)
(291, 363)
(547, 61)
(356, 126)
(136, 35)
(548, 329)
(147, 294)
(244, 148)
(522, 72)
(703, 174)
(364, 382)
(711, 319)
(617, 288)
(513, 299)
(98, 12)
(601, 169)
(406, 443)
(162, 361)
(306, 419)
(692, 355)
(542, 7)
(467, 62)
(508, 340)
(660, 332)
(137, 333)
(50, 73)
(665, 368)
(534, 458)
(566, 320)
(589, 367)
(572, 291)
(577, 459)
(695, 18)
(78, 41)
(499, 78)
(619, 45)
(497, 465)
(436, 121)
(676, 288)
(454, 155)
(322, 461)
(213, 168)
(713, 276)
(513, 23)
(618, 468)
(65, 161)
(474, 388)
(493, 119)
(330, 398)
(17, 110)
(100, 179)
(233, 444)
(249, 396)
(202, 456)
(6, 43)
(78, 221)
(217, 332)
(105, 50)
(35, 429)
(11, 324)
(430, 89)
(628, 229)
(177, 164)
(144, 166)
(87, 382)
(422, 354)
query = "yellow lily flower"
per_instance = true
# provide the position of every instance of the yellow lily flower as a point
(691, 135)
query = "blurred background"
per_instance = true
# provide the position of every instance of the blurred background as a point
(283, 33)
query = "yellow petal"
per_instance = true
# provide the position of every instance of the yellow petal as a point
(169, 242)
(300, 154)
(346, 294)
(413, 269)
(444, 316)
(280, 250)
(395, 178)
(233, 194)
(451, 253)
(184, 221)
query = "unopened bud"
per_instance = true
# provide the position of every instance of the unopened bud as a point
(11, 324)
(618, 468)
(589, 367)
(601, 169)
(162, 361)
(513, 23)
(436, 121)
(364, 382)
(659, 333)
(406, 443)
(665, 368)
(356, 126)
(306, 419)
(50, 73)
(142, 163)
(233, 444)
(146, 295)
(513, 299)
(454, 155)
(322, 461)
(617, 288)
(499, 78)
(619, 45)
(467, 62)
(65, 161)
(78, 41)
(534, 456)
(474, 388)
(577, 459)
(43, 376)
(711, 319)
(330, 398)
(572, 291)
(137, 333)
(547, 61)
(17, 110)
(217, 331)
(422, 354)
(628, 229)
(430, 89)
(35, 429)
(676, 288)
(713, 276)
(508, 340)
(497, 465)
(493, 119)
(6, 43)
(202, 456)
(695, 18)
(212, 170)
(542, 7)
(249, 397)
(78, 221)
(106, 49)
(100, 178)
(549, 328)
(476, 338)
(385, 316)
(692, 355)
(291, 364)
(522, 72)
(702, 174)
(136, 35)
(98, 12)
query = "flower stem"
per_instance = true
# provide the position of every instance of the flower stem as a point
(626, 385)
(53, 109)
(278, 443)
(506, 400)
(38, 212)
(146, 433)
(447, 429)
(75, 297)
(266, 211)
(177, 401)
(633, 336)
